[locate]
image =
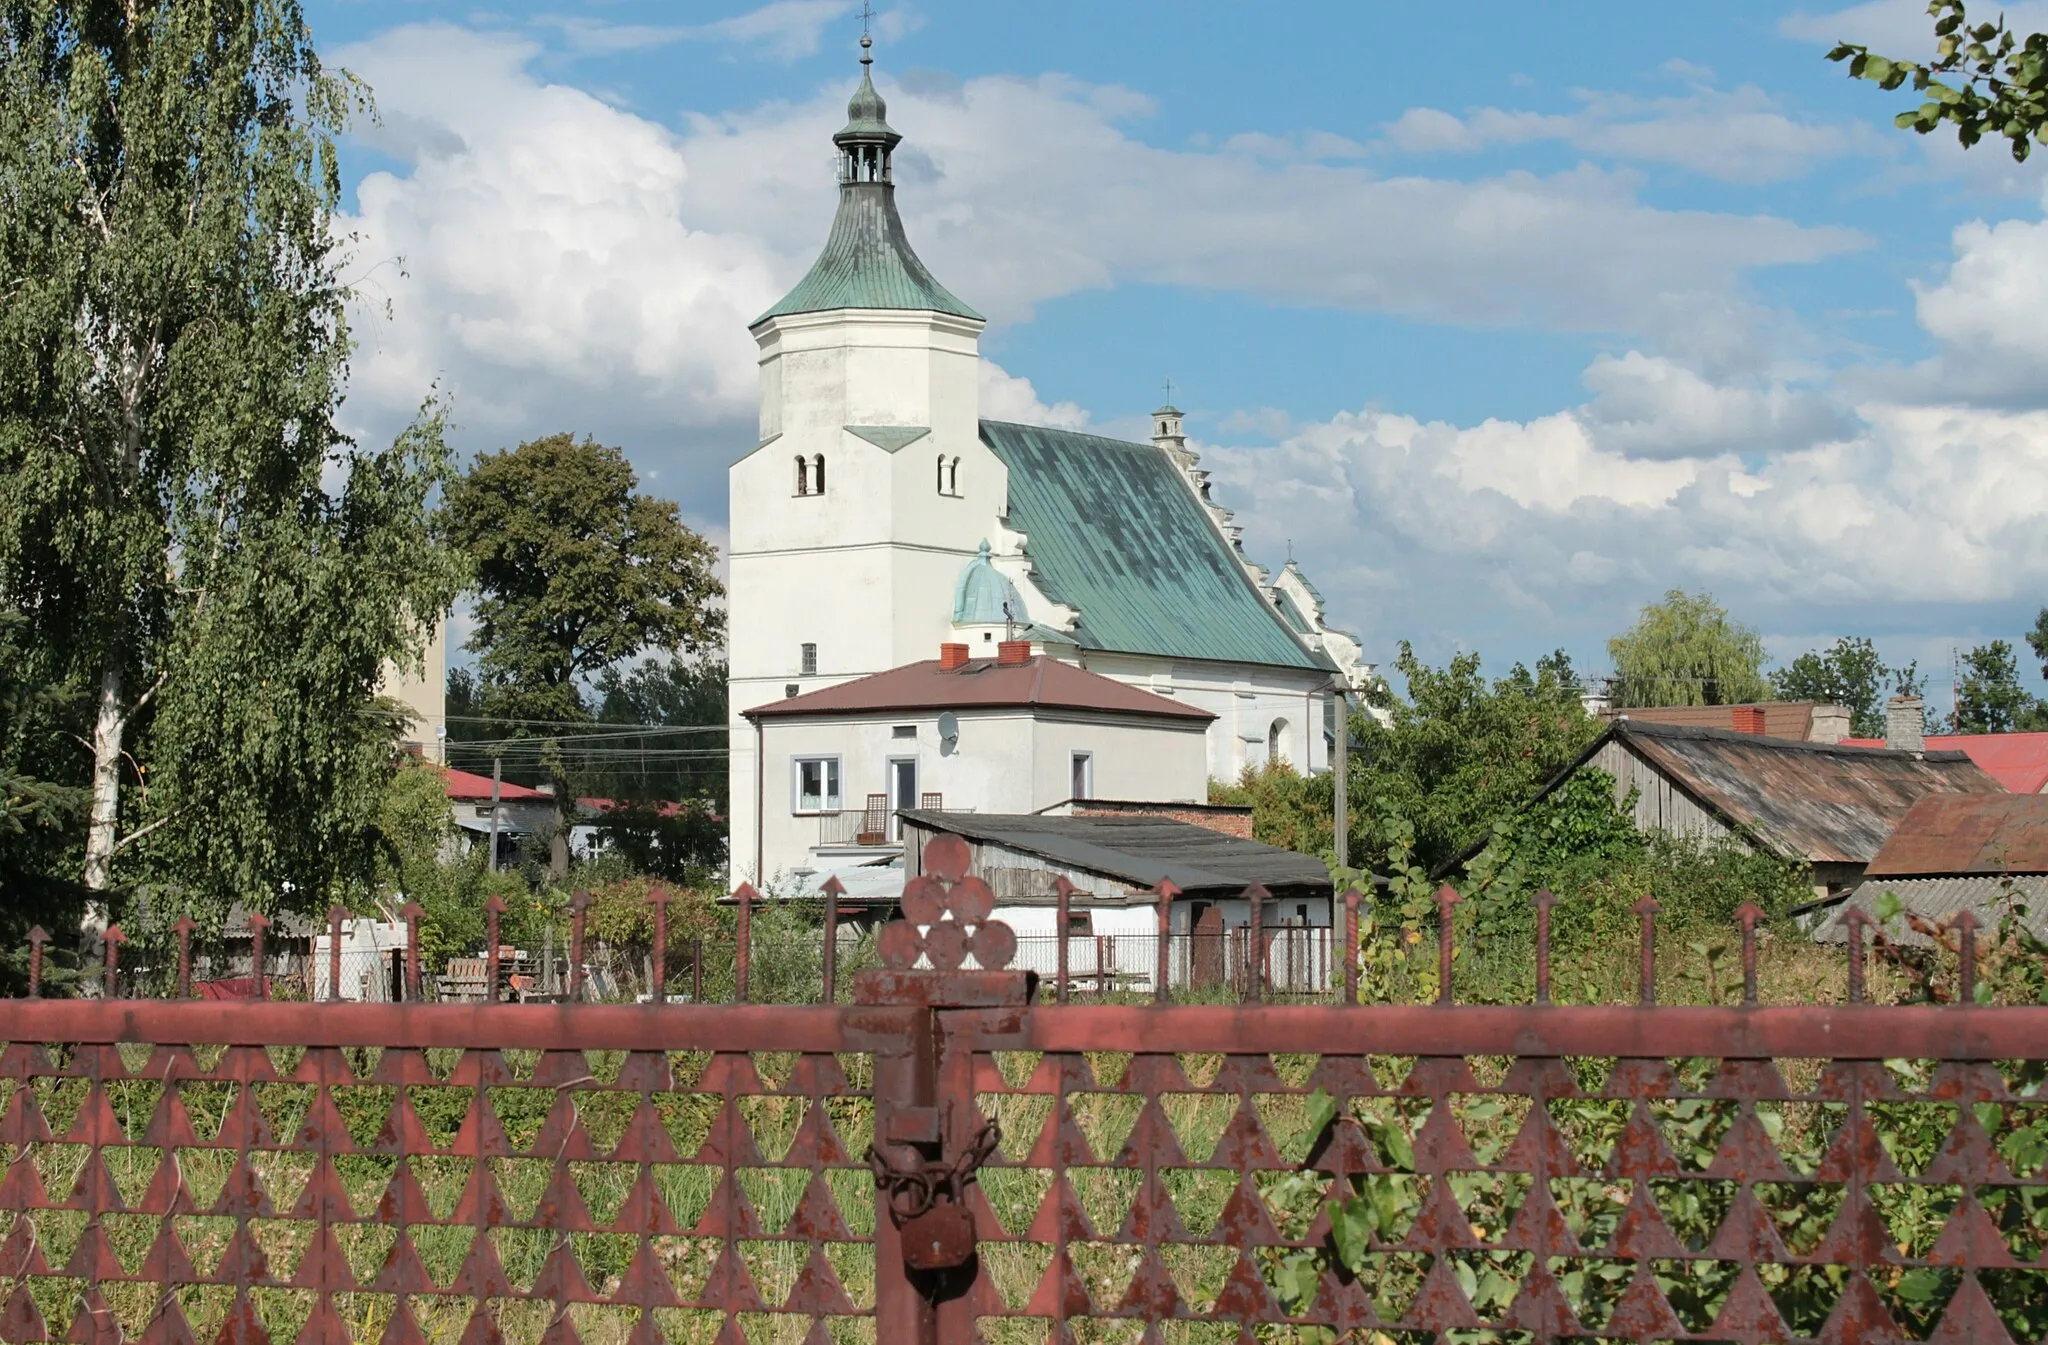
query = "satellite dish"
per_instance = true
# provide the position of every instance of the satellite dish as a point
(949, 729)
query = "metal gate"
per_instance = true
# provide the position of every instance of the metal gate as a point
(245, 1172)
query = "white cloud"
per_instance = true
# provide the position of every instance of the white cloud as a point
(783, 30)
(1007, 397)
(1896, 28)
(1988, 311)
(1451, 535)
(1653, 406)
(1737, 135)
(567, 263)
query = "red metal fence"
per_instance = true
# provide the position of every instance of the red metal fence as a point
(573, 1172)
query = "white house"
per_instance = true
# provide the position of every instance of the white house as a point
(1018, 733)
(880, 517)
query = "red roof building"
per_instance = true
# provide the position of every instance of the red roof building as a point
(2019, 761)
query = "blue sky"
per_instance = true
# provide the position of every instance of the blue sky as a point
(1506, 336)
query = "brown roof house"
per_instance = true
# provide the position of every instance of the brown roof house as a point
(1952, 853)
(1018, 733)
(1823, 804)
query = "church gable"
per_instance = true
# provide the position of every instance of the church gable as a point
(1113, 532)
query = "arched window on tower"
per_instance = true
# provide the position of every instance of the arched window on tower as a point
(803, 476)
(818, 476)
(1276, 742)
(953, 477)
(942, 474)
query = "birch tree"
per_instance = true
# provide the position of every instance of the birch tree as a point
(195, 545)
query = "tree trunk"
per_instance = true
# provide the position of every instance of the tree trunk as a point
(110, 725)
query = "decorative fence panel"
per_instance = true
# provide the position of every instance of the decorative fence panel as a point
(946, 1161)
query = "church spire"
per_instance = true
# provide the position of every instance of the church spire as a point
(867, 261)
(867, 141)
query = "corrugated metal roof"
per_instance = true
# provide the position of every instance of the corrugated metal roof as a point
(1820, 802)
(867, 263)
(2019, 761)
(1040, 682)
(1114, 532)
(1967, 833)
(1939, 900)
(1140, 850)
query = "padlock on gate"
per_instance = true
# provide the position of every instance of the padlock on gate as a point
(941, 1237)
(928, 1204)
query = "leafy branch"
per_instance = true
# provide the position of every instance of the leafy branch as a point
(1997, 81)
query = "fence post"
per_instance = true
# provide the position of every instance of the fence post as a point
(411, 913)
(1646, 911)
(258, 922)
(183, 929)
(1749, 913)
(493, 909)
(1256, 894)
(1164, 968)
(658, 991)
(743, 935)
(579, 907)
(1062, 908)
(1446, 942)
(37, 937)
(833, 887)
(335, 916)
(1351, 895)
(111, 980)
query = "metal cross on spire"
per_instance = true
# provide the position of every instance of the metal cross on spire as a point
(867, 16)
(1169, 392)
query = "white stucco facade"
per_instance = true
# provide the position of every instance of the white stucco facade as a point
(1002, 760)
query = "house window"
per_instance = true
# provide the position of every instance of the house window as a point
(903, 731)
(789, 689)
(816, 785)
(1276, 739)
(1082, 780)
(1080, 924)
(809, 664)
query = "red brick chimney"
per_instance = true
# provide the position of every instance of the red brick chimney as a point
(1013, 651)
(952, 656)
(1749, 719)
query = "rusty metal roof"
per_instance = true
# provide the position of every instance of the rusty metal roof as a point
(1941, 900)
(1968, 833)
(1818, 802)
(1140, 851)
(1038, 683)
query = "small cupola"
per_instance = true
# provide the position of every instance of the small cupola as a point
(1166, 430)
(984, 595)
(867, 140)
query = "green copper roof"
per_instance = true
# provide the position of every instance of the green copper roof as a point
(984, 595)
(890, 438)
(1113, 531)
(867, 263)
(867, 116)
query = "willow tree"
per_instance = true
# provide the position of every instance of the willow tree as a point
(1686, 650)
(197, 548)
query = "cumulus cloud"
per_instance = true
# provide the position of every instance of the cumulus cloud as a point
(1452, 535)
(1653, 406)
(1007, 397)
(784, 30)
(1738, 135)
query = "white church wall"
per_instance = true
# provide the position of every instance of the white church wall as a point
(1246, 701)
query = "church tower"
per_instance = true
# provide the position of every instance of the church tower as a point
(870, 487)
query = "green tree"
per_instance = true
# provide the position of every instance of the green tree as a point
(1686, 651)
(1460, 753)
(1989, 697)
(197, 547)
(576, 571)
(2037, 640)
(1984, 79)
(1849, 674)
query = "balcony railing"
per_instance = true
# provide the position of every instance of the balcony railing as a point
(876, 825)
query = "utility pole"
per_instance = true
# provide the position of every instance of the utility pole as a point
(497, 773)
